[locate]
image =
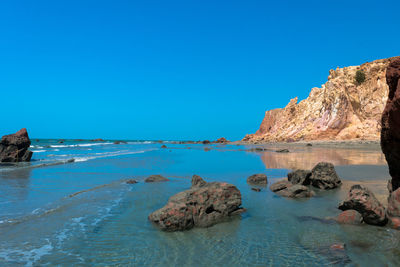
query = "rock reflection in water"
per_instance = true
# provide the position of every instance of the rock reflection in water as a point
(308, 158)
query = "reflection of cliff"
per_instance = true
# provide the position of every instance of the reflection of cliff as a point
(306, 159)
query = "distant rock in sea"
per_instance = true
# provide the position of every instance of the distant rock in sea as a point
(14, 147)
(344, 108)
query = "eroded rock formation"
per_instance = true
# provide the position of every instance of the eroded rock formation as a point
(390, 138)
(14, 147)
(342, 109)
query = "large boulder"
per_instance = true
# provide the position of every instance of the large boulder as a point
(287, 189)
(390, 132)
(324, 176)
(14, 147)
(349, 217)
(201, 206)
(299, 177)
(364, 201)
(155, 178)
(257, 179)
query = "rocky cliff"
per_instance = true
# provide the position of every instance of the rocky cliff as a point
(342, 109)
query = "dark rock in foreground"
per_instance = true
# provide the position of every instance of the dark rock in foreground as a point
(258, 179)
(14, 147)
(155, 178)
(287, 189)
(299, 177)
(199, 207)
(349, 217)
(390, 132)
(324, 176)
(363, 200)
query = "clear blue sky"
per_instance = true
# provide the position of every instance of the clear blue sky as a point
(175, 69)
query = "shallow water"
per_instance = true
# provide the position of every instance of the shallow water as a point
(84, 213)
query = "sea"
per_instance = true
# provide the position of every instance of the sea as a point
(71, 206)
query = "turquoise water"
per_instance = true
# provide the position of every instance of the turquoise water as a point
(83, 213)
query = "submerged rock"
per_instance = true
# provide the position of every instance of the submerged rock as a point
(199, 207)
(258, 179)
(256, 189)
(287, 189)
(155, 178)
(163, 146)
(390, 132)
(299, 177)
(324, 176)
(349, 217)
(14, 147)
(97, 140)
(364, 201)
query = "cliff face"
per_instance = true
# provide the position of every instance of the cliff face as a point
(341, 109)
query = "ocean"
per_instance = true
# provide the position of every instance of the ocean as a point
(83, 213)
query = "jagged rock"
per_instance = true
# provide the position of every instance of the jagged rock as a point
(14, 147)
(349, 217)
(364, 201)
(155, 178)
(390, 133)
(197, 181)
(324, 176)
(287, 189)
(299, 177)
(258, 179)
(199, 207)
(339, 110)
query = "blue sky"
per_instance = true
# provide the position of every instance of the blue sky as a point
(175, 69)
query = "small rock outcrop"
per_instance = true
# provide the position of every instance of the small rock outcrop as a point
(221, 140)
(206, 142)
(324, 176)
(364, 201)
(390, 134)
(14, 147)
(155, 178)
(201, 206)
(299, 177)
(287, 189)
(131, 181)
(257, 179)
(197, 181)
(349, 217)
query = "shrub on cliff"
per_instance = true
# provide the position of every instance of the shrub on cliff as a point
(360, 77)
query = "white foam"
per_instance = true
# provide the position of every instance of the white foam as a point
(26, 256)
(38, 151)
(82, 145)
